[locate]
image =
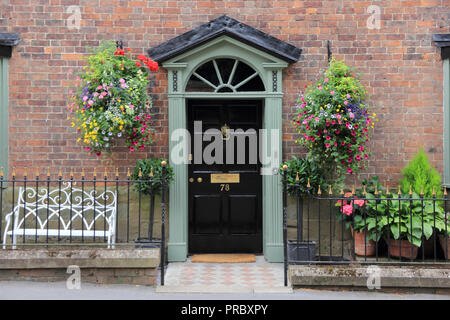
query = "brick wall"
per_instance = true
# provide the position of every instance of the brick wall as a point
(400, 66)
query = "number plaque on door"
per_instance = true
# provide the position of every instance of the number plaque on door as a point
(225, 178)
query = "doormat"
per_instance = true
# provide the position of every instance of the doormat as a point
(224, 258)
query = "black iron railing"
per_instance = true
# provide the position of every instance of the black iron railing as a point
(97, 210)
(369, 227)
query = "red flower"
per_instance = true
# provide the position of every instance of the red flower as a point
(119, 52)
(138, 64)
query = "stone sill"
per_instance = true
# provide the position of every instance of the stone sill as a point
(356, 276)
(84, 258)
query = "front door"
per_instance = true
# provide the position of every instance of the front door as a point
(225, 185)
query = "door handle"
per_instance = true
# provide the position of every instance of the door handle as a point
(199, 180)
(191, 180)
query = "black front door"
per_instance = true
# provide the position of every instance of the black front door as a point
(225, 207)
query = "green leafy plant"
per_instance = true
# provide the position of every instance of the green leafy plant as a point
(407, 219)
(334, 122)
(306, 169)
(419, 175)
(146, 167)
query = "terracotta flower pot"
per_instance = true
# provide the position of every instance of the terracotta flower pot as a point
(405, 245)
(445, 245)
(363, 248)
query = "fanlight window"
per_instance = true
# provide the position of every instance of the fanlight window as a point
(225, 75)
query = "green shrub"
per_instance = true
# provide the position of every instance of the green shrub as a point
(419, 174)
(146, 166)
(306, 169)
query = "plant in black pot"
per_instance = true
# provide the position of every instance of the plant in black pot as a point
(147, 178)
(302, 176)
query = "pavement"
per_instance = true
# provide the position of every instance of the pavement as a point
(23, 290)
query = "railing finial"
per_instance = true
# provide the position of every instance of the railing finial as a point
(151, 173)
(309, 184)
(117, 172)
(387, 189)
(445, 191)
(399, 191)
(410, 190)
(128, 172)
(1, 172)
(297, 178)
(330, 191)
(14, 172)
(140, 172)
(319, 192)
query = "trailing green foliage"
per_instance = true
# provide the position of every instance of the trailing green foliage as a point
(147, 166)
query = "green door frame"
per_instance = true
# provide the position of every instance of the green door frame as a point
(180, 69)
(4, 106)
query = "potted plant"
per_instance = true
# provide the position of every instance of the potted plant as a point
(147, 177)
(407, 223)
(444, 237)
(303, 176)
(361, 219)
(111, 101)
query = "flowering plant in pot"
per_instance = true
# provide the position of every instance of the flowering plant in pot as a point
(334, 122)
(363, 221)
(110, 100)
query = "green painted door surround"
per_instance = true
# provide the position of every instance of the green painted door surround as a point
(446, 66)
(4, 99)
(180, 68)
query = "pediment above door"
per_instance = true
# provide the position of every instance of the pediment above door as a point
(225, 26)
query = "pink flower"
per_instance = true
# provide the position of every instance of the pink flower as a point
(328, 138)
(335, 144)
(353, 133)
(132, 149)
(347, 210)
(348, 96)
(346, 102)
(337, 131)
(123, 85)
(70, 71)
(85, 98)
(360, 203)
(338, 116)
(366, 157)
(349, 170)
(91, 103)
(332, 92)
(96, 94)
(122, 80)
(358, 157)
(327, 145)
(333, 122)
(99, 88)
(342, 143)
(352, 116)
(320, 88)
(87, 149)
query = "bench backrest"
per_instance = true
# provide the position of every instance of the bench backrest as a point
(67, 208)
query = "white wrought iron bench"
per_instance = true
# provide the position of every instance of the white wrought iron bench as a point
(80, 214)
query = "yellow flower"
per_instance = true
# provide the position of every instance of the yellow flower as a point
(73, 124)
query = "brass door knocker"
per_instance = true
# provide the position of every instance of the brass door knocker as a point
(225, 132)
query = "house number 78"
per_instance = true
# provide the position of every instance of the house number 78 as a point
(225, 187)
